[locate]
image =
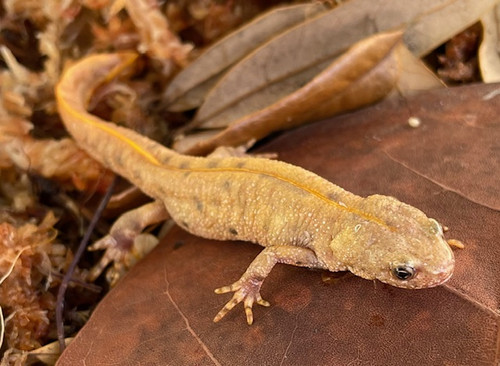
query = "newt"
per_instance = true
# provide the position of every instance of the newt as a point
(298, 217)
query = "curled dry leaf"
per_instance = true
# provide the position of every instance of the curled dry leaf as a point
(320, 40)
(440, 20)
(328, 35)
(489, 56)
(370, 53)
(188, 89)
(363, 75)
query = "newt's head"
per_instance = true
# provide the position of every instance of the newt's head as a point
(396, 244)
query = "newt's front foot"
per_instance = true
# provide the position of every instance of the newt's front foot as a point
(246, 290)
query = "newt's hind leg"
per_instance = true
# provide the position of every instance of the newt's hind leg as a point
(119, 243)
(247, 288)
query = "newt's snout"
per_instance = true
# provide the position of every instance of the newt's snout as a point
(432, 269)
(443, 273)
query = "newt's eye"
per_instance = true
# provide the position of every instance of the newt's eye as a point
(403, 272)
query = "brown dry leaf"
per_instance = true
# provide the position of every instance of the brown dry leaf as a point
(441, 20)
(189, 87)
(364, 74)
(261, 78)
(448, 167)
(263, 98)
(327, 36)
(489, 51)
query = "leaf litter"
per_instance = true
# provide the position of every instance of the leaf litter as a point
(294, 65)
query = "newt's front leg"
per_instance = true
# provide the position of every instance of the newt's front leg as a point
(247, 288)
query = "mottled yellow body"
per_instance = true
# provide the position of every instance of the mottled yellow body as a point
(300, 218)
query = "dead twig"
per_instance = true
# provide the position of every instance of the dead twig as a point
(76, 259)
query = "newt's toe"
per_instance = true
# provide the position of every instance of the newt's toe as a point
(246, 291)
(456, 244)
(249, 314)
(225, 289)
